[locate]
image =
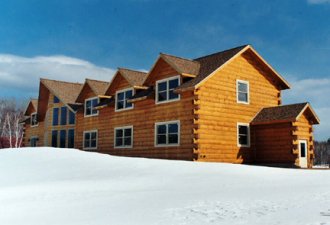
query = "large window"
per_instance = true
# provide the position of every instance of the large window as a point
(90, 105)
(55, 116)
(167, 133)
(124, 137)
(243, 135)
(242, 88)
(64, 115)
(72, 117)
(121, 99)
(71, 138)
(90, 139)
(62, 138)
(165, 90)
(34, 119)
(54, 138)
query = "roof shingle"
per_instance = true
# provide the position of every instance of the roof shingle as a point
(99, 87)
(133, 77)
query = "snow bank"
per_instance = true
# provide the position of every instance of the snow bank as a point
(65, 186)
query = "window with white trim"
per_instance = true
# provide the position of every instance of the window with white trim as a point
(121, 99)
(165, 90)
(90, 105)
(242, 88)
(124, 137)
(90, 139)
(167, 133)
(34, 119)
(243, 135)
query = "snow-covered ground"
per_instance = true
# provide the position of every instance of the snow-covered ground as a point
(68, 187)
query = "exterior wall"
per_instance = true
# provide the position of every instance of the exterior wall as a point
(303, 130)
(273, 143)
(217, 111)
(142, 117)
(36, 131)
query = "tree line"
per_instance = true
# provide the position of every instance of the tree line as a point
(11, 128)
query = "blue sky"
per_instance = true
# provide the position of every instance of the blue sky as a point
(71, 40)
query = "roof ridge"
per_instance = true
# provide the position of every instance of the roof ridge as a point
(121, 68)
(192, 60)
(101, 81)
(227, 50)
(60, 81)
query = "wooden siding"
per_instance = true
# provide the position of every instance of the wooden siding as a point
(142, 117)
(35, 131)
(217, 111)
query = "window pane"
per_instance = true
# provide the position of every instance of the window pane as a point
(120, 104)
(93, 135)
(162, 86)
(127, 141)
(56, 100)
(243, 97)
(54, 138)
(161, 139)
(120, 96)
(243, 130)
(129, 94)
(129, 104)
(173, 83)
(173, 95)
(119, 141)
(55, 116)
(62, 138)
(242, 87)
(119, 133)
(88, 107)
(162, 96)
(128, 132)
(72, 117)
(161, 129)
(71, 138)
(94, 104)
(93, 143)
(243, 140)
(87, 136)
(173, 128)
(173, 139)
(63, 115)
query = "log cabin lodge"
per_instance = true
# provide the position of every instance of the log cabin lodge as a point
(223, 107)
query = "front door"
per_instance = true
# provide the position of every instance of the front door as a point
(303, 153)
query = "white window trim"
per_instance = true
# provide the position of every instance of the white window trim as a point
(248, 136)
(167, 79)
(167, 122)
(248, 92)
(123, 90)
(90, 99)
(132, 137)
(97, 137)
(32, 114)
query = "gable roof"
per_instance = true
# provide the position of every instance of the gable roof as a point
(98, 87)
(34, 104)
(211, 63)
(67, 92)
(133, 77)
(284, 113)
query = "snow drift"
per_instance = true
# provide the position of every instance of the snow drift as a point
(63, 186)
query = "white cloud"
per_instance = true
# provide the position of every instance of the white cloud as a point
(317, 92)
(21, 74)
(318, 1)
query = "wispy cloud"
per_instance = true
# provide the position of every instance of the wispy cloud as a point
(21, 74)
(317, 92)
(318, 1)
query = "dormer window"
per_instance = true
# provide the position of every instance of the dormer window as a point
(242, 88)
(90, 105)
(34, 119)
(165, 90)
(121, 99)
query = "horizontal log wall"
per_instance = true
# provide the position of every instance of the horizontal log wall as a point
(217, 111)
